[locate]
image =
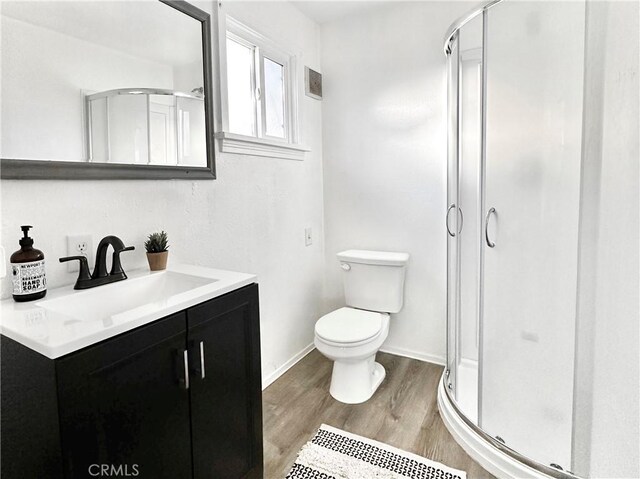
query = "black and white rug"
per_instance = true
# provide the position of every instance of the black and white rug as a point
(337, 454)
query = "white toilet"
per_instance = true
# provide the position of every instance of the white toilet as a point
(351, 336)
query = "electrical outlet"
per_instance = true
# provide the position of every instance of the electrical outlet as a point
(79, 245)
(308, 238)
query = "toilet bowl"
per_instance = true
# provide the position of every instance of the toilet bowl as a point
(356, 375)
(352, 335)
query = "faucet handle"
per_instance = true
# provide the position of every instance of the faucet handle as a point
(83, 274)
(116, 266)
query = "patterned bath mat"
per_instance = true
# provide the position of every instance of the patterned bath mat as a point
(337, 454)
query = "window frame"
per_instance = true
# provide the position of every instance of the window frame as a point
(245, 43)
(284, 61)
(261, 144)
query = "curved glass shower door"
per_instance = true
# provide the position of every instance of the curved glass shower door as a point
(515, 123)
(463, 227)
(469, 156)
(451, 220)
(534, 61)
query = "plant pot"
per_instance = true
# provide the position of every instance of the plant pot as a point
(158, 261)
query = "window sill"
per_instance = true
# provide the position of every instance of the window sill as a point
(248, 145)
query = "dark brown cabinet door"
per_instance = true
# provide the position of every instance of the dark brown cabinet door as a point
(226, 394)
(124, 405)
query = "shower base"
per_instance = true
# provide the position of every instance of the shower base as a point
(499, 460)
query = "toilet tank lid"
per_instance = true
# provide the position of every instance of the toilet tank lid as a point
(387, 258)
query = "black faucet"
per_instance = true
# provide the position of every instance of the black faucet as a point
(100, 276)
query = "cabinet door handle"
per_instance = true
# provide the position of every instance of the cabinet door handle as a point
(202, 359)
(185, 356)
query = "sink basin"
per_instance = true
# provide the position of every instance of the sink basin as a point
(68, 320)
(134, 296)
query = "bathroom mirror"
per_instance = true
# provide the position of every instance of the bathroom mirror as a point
(106, 90)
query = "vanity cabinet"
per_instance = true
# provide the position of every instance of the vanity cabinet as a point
(177, 398)
(231, 383)
(122, 402)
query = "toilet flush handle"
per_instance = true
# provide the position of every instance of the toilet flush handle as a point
(346, 266)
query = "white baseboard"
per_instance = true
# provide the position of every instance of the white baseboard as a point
(429, 358)
(286, 366)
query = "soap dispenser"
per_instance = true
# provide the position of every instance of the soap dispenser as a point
(27, 270)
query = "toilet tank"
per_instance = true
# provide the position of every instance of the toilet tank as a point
(373, 280)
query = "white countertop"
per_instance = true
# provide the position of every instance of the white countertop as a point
(67, 320)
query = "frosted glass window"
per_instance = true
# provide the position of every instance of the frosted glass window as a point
(274, 98)
(240, 86)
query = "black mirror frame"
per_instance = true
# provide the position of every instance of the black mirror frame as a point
(70, 170)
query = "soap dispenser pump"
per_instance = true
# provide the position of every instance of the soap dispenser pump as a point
(27, 270)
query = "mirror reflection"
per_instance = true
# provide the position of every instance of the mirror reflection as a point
(103, 82)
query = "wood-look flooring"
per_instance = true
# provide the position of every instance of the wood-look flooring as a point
(402, 413)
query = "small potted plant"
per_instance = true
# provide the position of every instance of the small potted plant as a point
(157, 251)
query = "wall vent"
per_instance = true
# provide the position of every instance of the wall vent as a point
(312, 83)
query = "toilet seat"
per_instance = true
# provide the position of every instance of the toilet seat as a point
(347, 326)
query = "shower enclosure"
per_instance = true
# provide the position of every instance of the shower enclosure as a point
(146, 126)
(515, 94)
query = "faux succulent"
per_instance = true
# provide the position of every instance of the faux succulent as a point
(157, 243)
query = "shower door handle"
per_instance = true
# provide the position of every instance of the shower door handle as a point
(447, 219)
(453, 205)
(490, 244)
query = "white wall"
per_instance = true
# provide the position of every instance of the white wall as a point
(384, 142)
(187, 77)
(42, 98)
(251, 219)
(607, 409)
